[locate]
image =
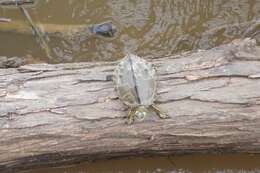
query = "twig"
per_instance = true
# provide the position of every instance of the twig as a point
(38, 32)
(5, 20)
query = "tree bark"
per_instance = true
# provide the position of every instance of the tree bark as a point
(66, 113)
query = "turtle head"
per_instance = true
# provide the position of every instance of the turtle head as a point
(141, 112)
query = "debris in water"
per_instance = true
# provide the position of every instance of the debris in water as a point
(106, 29)
(5, 20)
(16, 2)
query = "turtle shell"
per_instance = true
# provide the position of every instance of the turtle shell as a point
(135, 81)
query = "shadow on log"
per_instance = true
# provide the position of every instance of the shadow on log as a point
(67, 113)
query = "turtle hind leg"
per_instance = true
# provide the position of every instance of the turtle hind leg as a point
(161, 114)
(130, 116)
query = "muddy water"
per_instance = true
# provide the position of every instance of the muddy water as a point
(148, 28)
(182, 164)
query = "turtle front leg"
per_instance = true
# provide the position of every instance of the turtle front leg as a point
(159, 112)
(131, 115)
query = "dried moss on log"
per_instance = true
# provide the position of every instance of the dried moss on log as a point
(61, 114)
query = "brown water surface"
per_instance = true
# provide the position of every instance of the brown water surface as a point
(148, 28)
(229, 163)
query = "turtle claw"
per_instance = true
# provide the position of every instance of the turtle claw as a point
(161, 114)
(129, 121)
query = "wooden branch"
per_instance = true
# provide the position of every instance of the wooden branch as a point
(105, 29)
(16, 2)
(5, 19)
(56, 30)
(61, 114)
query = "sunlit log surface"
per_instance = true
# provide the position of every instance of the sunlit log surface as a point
(67, 113)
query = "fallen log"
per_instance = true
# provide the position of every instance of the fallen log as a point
(67, 113)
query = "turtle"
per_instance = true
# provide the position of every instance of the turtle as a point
(135, 83)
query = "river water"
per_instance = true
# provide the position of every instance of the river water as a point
(147, 28)
(229, 163)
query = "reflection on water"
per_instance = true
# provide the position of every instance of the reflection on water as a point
(182, 164)
(147, 27)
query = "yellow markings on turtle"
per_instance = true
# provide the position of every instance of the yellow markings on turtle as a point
(130, 116)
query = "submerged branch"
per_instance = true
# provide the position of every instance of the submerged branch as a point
(39, 34)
